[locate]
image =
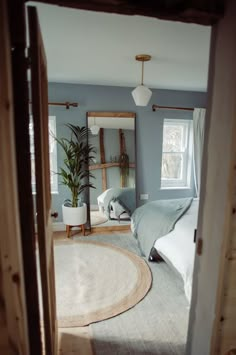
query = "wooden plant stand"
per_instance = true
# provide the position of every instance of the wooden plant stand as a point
(68, 229)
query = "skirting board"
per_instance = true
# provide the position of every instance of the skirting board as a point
(124, 227)
(60, 227)
(56, 227)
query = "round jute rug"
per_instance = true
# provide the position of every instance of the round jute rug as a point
(96, 281)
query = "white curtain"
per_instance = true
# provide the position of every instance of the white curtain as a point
(198, 139)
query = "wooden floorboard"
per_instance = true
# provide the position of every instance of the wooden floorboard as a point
(75, 341)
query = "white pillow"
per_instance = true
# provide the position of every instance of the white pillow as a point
(101, 199)
(177, 247)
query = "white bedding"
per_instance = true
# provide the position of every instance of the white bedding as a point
(177, 247)
(101, 201)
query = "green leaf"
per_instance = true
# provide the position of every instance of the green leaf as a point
(77, 155)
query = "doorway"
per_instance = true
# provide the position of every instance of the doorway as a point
(226, 169)
(151, 117)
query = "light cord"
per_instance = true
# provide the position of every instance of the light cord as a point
(142, 72)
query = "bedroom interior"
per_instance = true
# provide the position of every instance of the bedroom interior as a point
(115, 198)
(176, 338)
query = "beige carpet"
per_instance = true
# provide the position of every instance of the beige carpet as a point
(96, 218)
(96, 281)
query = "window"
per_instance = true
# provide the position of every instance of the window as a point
(176, 153)
(52, 155)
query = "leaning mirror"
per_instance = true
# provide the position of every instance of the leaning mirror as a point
(114, 198)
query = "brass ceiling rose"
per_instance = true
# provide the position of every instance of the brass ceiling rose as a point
(143, 57)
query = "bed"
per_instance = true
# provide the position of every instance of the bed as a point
(117, 203)
(165, 231)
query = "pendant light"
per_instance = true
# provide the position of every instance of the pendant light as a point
(94, 128)
(142, 94)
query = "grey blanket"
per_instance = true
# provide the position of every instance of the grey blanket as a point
(155, 219)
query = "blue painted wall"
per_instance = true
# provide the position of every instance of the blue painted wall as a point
(149, 127)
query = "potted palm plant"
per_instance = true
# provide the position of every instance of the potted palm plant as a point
(75, 173)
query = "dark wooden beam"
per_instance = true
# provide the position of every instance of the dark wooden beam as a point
(204, 12)
(108, 165)
(103, 159)
(17, 22)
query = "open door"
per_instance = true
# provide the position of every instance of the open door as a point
(39, 91)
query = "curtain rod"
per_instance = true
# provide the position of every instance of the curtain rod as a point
(156, 107)
(66, 104)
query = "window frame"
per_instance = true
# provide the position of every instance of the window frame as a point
(187, 154)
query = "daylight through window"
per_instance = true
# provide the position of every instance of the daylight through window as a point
(52, 155)
(176, 153)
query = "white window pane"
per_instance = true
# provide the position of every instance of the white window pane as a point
(52, 132)
(172, 166)
(31, 135)
(32, 169)
(176, 153)
(173, 138)
(52, 154)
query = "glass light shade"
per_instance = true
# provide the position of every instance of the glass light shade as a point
(94, 129)
(141, 95)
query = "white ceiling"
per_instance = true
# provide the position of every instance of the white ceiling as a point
(97, 48)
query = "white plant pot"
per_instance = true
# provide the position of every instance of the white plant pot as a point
(74, 216)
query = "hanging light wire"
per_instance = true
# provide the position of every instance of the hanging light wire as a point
(142, 73)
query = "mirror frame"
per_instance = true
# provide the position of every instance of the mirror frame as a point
(112, 114)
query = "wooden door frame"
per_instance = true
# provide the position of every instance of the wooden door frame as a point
(216, 224)
(13, 311)
(25, 215)
(17, 26)
(39, 93)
